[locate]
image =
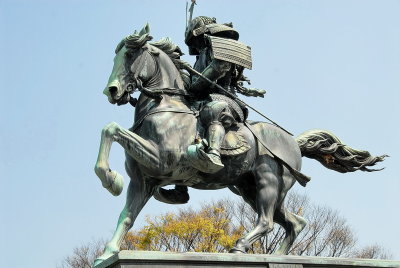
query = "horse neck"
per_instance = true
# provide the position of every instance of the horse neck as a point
(144, 105)
(166, 75)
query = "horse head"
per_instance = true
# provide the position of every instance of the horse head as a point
(139, 65)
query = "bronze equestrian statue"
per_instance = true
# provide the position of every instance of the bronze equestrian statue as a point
(174, 125)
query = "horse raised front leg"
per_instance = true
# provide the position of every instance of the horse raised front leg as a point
(266, 199)
(111, 180)
(141, 150)
(138, 194)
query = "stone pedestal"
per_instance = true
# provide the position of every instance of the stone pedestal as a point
(154, 259)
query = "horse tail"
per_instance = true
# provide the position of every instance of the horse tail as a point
(327, 149)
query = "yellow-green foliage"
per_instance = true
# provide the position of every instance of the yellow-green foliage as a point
(206, 230)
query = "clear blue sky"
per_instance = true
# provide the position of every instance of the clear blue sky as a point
(325, 64)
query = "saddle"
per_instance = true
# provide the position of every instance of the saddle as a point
(234, 142)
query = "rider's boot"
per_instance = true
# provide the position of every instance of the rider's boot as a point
(215, 136)
(206, 156)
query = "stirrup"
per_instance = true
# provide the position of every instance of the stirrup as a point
(205, 162)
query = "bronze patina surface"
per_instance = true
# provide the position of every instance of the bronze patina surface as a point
(183, 137)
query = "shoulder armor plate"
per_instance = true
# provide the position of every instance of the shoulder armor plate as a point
(231, 51)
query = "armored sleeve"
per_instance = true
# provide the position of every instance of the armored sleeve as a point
(211, 68)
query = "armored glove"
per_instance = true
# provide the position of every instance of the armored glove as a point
(251, 92)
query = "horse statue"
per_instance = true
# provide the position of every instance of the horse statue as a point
(260, 160)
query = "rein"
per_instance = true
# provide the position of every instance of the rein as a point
(156, 93)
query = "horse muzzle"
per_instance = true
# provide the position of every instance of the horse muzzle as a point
(114, 92)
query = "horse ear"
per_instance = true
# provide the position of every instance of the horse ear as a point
(145, 30)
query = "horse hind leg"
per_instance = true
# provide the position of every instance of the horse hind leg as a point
(293, 225)
(267, 184)
(138, 194)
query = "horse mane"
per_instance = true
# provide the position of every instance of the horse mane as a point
(133, 41)
(166, 45)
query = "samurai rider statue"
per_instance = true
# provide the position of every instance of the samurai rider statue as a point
(221, 59)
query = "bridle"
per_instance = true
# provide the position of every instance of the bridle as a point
(136, 82)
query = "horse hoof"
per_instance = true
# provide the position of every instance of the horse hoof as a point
(103, 257)
(117, 184)
(279, 253)
(97, 262)
(237, 251)
(241, 246)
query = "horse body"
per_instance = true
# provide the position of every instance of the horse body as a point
(165, 125)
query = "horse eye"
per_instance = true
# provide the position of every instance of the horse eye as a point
(128, 54)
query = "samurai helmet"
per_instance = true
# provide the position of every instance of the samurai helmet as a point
(197, 27)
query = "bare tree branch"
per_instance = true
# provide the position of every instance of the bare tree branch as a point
(217, 225)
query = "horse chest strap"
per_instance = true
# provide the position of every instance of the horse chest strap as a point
(141, 119)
